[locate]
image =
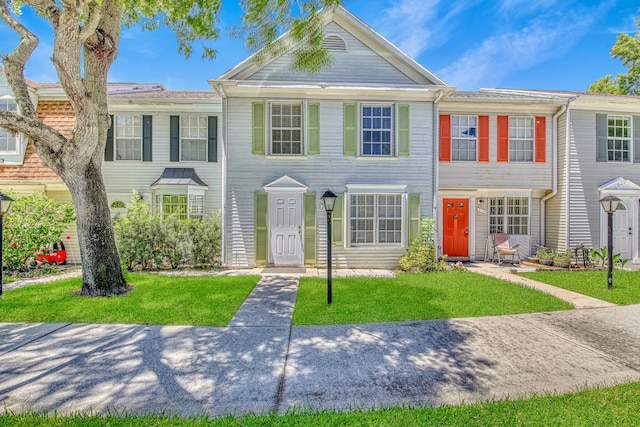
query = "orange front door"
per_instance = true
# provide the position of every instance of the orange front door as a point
(455, 233)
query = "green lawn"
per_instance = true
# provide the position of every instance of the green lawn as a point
(415, 297)
(607, 406)
(154, 300)
(626, 284)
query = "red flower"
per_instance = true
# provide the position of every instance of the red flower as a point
(68, 237)
(15, 245)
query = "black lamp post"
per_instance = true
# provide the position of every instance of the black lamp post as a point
(610, 204)
(329, 202)
(5, 202)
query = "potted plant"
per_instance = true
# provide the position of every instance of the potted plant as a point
(545, 255)
(562, 259)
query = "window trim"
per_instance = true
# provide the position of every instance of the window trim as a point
(477, 137)
(505, 216)
(628, 139)
(16, 136)
(189, 191)
(514, 139)
(394, 129)
(376, 190)
(116, 138)
(303, 127)
(205, 140)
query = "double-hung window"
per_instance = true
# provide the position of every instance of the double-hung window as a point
(619, 138)
(183, 206)
(377, 129)
(128, 137)
(8, 140)
(193, 138)
(509, 215)
(286, 128)
(464, 138)
(521, 139)
(375, 219)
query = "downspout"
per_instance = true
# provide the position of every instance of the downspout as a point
(436, 161)
(223, 155)
(554, 161)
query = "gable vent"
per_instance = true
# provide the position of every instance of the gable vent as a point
(334, 43)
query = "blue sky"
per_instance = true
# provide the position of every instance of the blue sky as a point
(526, 44)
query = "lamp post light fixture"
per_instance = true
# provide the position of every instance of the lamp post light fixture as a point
(610, 205)
(329, 202)
(5, 202)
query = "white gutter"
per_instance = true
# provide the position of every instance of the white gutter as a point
(436, 162)
(554, 190)
(223, 163)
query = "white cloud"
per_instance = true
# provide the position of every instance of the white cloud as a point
(415, 25)
(544, 37)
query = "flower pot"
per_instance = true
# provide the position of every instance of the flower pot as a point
(546, 260)
(561, 262)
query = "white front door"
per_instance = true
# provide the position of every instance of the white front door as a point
(622, 231)
(285, 213)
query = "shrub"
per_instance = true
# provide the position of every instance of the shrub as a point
(423, 255)
(147, 241)
(34, 222)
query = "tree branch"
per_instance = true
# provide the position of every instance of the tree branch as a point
(92, 12)
(15, 61)
(33, 128)
(47, 8)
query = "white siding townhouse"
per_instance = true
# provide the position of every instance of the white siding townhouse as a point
(599, 154)
(363, 128)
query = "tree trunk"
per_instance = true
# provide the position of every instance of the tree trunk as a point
(101, 271)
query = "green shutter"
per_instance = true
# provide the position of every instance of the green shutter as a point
(337, 221)
(403, 130)
(258, 128)
(313, 128)
(413, 216)
(350, 132)
(262, 229)
(310, 232)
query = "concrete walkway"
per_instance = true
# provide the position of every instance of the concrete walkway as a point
(260, 363)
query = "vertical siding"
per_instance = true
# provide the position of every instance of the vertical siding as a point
(248, 173)
(358, 64)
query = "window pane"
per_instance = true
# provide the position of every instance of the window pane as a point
(286, 128)
(128, 137)
(377, 130)
(521, 139)
(619, 141)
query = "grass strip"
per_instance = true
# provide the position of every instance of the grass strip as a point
(610, 406)
(415, 297)
(625, 291)
(154, 300)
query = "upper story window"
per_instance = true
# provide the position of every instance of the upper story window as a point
(286, 128)
(619, 138)
(521, 139)
(464, 138)
(509, 215)
(128, 137)
(8, 140)
(377, 130)
(193, 138)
